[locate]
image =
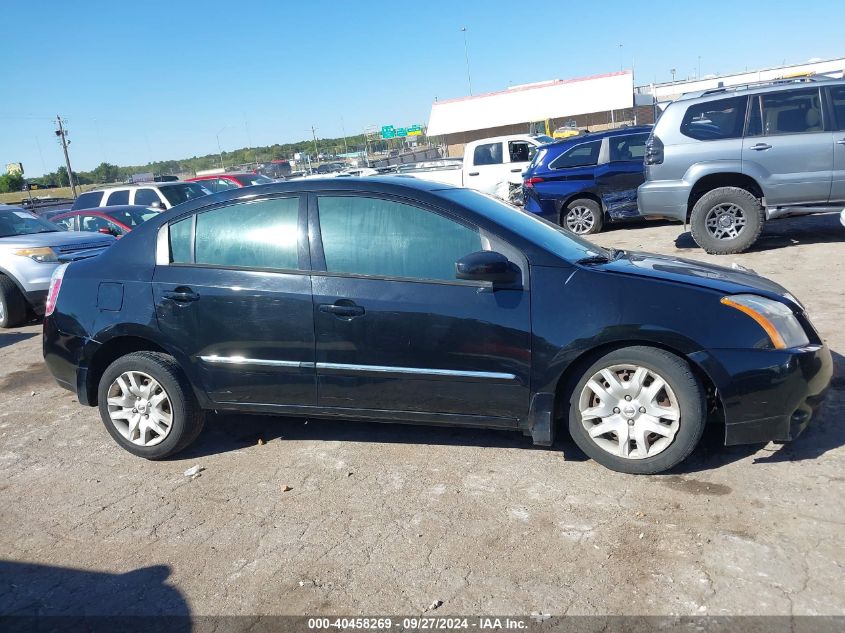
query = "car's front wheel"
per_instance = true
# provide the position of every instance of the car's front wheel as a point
(637, 410)
(147, 405)
(13, 308)
(726, 220)
(582, 217)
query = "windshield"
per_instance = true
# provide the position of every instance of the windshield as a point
(20, 222)
(543, 139)
(253, 179)
(537, 230)
(184, 191)
(132, 217)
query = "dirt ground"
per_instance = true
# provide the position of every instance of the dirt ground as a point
(387, 519)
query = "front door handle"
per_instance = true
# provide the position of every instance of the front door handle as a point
(517, 170)
(182, 295)
(841, 141)
(472, 173)
(760, 147)
(343, 310)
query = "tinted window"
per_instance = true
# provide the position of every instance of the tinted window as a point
(250, 234)
(487, 154)
(146, 197)
(221, 184)
(65, 223)
(526, 225)
(713, 120)
(582, 155)
(792, 112)
(368, 236)
(180, 241)
(838, 95)
(631, 147)
(176, 194)
(88, 200)
(131, 217)
(121, 196)
(520, 151)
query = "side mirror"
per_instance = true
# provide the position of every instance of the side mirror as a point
(486, 266)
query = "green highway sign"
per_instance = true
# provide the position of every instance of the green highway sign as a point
(388, 131)
(401, 132)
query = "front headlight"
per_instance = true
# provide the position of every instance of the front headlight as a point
(43, 254)
(774, 317)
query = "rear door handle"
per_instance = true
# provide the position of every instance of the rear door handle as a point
(517, 170)
(343, 311)
(841, 142)
(760, 147)
(182, 295)
(472, 173)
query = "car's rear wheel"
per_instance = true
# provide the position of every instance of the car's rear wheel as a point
(726, 220)
(13, 307)
(582, 217)
(147, 405)
(637, 410)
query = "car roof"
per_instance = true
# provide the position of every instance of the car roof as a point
(713, 94)
(109, 209)
(595, 136)
(140, 185)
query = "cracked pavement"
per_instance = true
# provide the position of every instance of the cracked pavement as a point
(386, 519)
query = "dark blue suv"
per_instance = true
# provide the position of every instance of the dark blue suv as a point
(579, 182)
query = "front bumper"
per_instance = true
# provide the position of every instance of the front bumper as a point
(663, 199)
(768, 395)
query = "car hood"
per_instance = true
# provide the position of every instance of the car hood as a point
(719, 278)
(62, 241)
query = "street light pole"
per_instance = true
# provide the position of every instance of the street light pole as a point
(466, 57)
(220, 151)
(673, 74)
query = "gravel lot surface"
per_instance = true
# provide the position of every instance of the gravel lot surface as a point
(294, 516)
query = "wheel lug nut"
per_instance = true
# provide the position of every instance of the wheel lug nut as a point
(642, 409)
(630, 423)
(628, 398)
(616, 409)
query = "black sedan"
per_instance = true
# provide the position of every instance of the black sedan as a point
(395, 299)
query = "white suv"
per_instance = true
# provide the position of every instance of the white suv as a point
(161, 195)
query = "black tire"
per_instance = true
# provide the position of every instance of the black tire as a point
(580, 205)
(690, 395)
(752, 211)
(13, 306)
(187, 417)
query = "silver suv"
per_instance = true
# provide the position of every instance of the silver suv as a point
(30, 250)
(727, 160)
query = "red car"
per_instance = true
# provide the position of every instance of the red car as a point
(114, 220)
(223, 182)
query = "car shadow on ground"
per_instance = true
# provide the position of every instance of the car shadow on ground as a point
(809, 229)
(44, 597)
(230, 432)
(10, 338)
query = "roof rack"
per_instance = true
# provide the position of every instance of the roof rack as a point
(766, 82)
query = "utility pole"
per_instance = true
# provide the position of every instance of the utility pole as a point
(62, 134)
(466, 57)
(314, 134)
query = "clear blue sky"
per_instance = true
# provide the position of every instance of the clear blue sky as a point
(143, 80)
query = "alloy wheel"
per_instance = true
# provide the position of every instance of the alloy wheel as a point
(580, 220)
(725, 221)
(629, 411)
(140, 408)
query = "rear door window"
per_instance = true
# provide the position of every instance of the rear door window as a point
(583, 155)
(262, 234)
(715, 120)
(487, 154)
(791, 112)
(837, 94)
(146, 197)
(88, 200)
(121, 196)
(630, 147)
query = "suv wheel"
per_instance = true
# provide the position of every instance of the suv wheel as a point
(637, 410)
(12, 304)
(147, 405)
(582, 217)
(726, 220)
